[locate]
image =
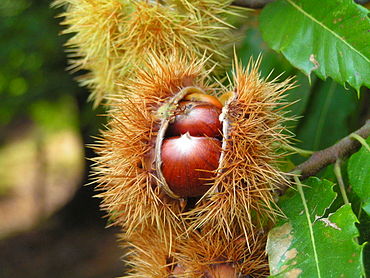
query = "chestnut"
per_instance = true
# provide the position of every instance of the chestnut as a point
(199, 119)
(200, 97)
(188, 163)
(223, 270)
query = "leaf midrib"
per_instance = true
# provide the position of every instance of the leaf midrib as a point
(326, 28)
(309, 223)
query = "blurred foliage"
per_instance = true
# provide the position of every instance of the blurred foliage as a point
(29, 55)
(324, 123)
(33, 81)
(37, 94)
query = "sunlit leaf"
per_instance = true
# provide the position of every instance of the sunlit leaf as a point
(309, 243)
(330, 38)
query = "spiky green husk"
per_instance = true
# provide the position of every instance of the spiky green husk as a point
(193, 256)
(248, 174)
(203, 253)
(124, 168)
(95, 26)
(111, 37)
(147, 254)
(241, 202)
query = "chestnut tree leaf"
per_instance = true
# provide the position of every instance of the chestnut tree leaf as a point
(329, 38)
(309, 243)
(359, 175)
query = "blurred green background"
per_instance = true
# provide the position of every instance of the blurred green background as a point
(50, 226)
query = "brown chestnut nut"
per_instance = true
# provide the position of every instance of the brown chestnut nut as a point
(199, 119)
(199, 97)
(188, 163)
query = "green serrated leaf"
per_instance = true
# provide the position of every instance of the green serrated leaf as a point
(330, 38)
(308, 244)
(359, 175)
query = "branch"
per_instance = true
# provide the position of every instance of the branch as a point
(319, 160)
(362, 2)
(252, 4)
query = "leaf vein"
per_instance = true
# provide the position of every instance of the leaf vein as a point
(328, 29)
(300, 190)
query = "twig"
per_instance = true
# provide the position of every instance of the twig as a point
(253, 4)
(319, 160)
(323, 158)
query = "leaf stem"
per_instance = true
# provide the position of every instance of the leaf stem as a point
(300, 151)
(360, 139)
(301, 193)
(338, 175)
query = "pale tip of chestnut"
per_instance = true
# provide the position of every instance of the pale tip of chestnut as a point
(200, 97)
